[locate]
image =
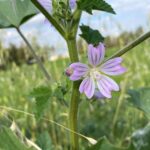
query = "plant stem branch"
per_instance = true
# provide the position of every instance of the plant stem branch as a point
(120, 102)
(43, 69)
(73, 112)
(72, 47)
(50, 18)
(74, 104)
(130, 46)
(76, 20)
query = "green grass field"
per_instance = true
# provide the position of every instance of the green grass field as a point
(96, 117)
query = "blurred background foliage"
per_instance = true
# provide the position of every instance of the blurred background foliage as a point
(116, 119)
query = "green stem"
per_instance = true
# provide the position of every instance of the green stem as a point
(43, 69)
(120, 101)
(73, 113)
(130, 46)
(72, 47)
(76, 20)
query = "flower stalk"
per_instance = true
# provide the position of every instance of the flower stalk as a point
(43, 69)
(75, 96)
(131, 45)
(73, 109)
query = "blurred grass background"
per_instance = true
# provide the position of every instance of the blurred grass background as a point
(19, 74)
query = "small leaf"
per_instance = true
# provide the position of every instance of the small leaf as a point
(60, 92)
(89, 5)
(9, 141)
(140, 98)
(104, 144)
(91, 36)
(141, 138)
(44, 141)
(42, 97)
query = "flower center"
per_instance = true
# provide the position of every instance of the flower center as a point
(94, 73)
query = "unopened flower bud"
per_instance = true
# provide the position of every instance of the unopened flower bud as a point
(69, 71)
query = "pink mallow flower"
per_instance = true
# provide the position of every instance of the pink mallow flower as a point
(95, 74)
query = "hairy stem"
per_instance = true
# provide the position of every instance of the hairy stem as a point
(76, 20)
(73, 112)
(130, 46)
(43, 69)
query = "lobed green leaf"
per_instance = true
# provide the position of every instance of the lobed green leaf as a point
(141, 138)
(42, 97)
(104, 144)
(140, 98)
(44, 141)
(91, 36)
(89, 5)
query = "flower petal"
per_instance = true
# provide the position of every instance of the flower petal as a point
(72, 4)
(103, 88)
(106, 85)
(113, 62)
(98, 95)
(79, 71)
(110, 83)
(88, 87)
(47, 4)
(79, 66)
(113, 67)
(96, 54)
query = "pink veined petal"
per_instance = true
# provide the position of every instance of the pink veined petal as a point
(112, 62)
(75, 77)
(88, 87)
(89, 90)
(79, 71)
(82, 85)
(96, 54)
(79, 66)
(47, 4)
(103, 88)
(110, 83)
(98, 95)
(118, 71)
(113, 67)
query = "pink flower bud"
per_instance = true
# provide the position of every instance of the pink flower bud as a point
(69, 71)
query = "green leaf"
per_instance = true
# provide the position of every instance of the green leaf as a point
(42, 97)
(140, 98)
(59, 92)
(44, 141)
(104, 144)
(15, 12)
(91, 36)
(141, 139)
(89, 5)
(9, 141)
(5, 120)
